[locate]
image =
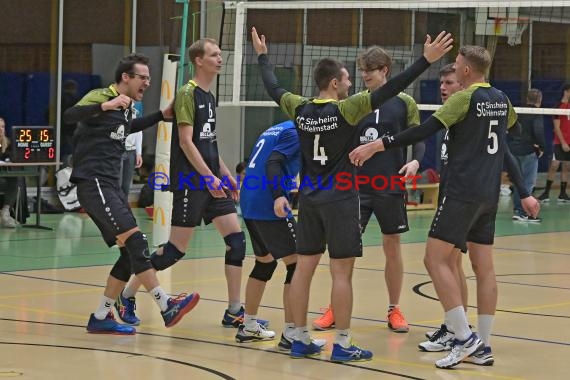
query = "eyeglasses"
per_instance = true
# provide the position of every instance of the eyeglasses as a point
(143, 77)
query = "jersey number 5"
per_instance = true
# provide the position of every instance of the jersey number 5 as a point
(493, 146)
(319, 151)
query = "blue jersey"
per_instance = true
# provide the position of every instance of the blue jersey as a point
(256, 200)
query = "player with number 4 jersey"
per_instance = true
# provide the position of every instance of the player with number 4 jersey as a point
(326, 127)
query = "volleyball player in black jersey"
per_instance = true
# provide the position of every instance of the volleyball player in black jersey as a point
(328, 209)
(382, 192)
(477, 119)
(104, 118)
(202, 185)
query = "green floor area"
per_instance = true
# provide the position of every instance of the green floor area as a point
(75, 241)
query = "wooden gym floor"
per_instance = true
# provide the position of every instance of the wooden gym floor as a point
(52, 280)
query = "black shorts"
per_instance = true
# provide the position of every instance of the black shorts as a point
(108, 206)
(189, 207)
(458, 222)
(389, 209)
(335, 225)
(272, 236)
(560, 154)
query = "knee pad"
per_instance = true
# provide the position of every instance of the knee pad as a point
(170, 255)
(137, 246)
(290, 271)
(235, 249)
(122, 268)
(263, 271)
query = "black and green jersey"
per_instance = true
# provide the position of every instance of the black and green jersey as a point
(100, 140)
(195, 107)
(391, 118)
(326, 135)
(477, 120)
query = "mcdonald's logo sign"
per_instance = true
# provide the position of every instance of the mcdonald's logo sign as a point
(165, 90)
(155, 216)
(160, 168)
(163, 130)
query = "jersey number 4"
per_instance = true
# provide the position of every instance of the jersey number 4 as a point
(493, 146)
(319, 151)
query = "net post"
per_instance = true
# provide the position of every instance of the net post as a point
(238, 52)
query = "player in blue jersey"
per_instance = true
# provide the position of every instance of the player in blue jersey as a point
(264, 201)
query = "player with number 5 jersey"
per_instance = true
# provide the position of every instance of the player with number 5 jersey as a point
(477, 119)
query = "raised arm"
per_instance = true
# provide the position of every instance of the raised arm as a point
(433, 50)
(267, 75)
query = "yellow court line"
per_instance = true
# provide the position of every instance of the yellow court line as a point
(188, 333)
(44, 311)
(454, 371)
(472, 316)
(43, 294)
(538, 307)
(271, 344)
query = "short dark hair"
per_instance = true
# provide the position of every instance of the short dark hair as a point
(197, 49)
(326, 70)
(127, 64)
(478, 57)
(447, 69)
(240, 167)
(533, 96)
(566, 87)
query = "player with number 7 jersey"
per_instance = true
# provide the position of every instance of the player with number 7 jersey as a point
(327, 128)
(326, 124)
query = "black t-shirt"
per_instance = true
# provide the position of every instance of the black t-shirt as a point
(100, 140)
(326, 134)
(391, 118)
(477, 120)
(195, 107)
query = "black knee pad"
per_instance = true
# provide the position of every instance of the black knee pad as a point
(263, 271)
(290, 271)
(137, 246)
(170, 255)
(236, 252)
(122, 268)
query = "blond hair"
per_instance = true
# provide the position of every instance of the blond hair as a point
(197, 49)
(478, 58)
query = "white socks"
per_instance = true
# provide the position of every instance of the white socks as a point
(160, 298)
(104, 307)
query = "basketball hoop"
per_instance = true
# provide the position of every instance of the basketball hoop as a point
(513, 28)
